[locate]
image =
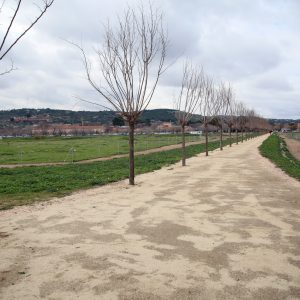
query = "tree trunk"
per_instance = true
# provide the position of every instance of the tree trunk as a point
(221, 138)
(206, 138)
(183, 145)
(131, 153)
(230, 142)
(237, 136)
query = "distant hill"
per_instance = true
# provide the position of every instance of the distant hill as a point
(27, 116)
(283, 121)
(24, 116)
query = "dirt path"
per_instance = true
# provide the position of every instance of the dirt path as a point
(154, 150)
(224, 227)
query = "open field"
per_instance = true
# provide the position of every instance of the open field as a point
(60, 149)
(224, 227)
(292, 141)
(291, 135)
(104, 158)
(25, 185)
(275, 149)
(293, 147)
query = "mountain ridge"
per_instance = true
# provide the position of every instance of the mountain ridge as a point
(58, 116)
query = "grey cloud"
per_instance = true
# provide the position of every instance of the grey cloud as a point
(251, 43)
(278, 84)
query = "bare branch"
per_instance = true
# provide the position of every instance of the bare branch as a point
(4, 51)
(224, 95)
(91, 102)
(8, 70)
(190, 93)
(1, 5)
(188, 99)
(131, 60)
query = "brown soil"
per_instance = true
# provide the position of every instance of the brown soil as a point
(224, 227)
(294, 147)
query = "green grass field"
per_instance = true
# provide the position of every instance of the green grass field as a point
(59, 149)
(275, 149)
(25, 185)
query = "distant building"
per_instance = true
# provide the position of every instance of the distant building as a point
(68, 129)
(196, 132)
(33, 120)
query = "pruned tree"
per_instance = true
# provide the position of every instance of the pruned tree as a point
(236, 117)
(224, 95)
(258, 123)
(231, 118)
(131, 60)
(242, 118)
(188, 99)
(261, 124)
(208, 107)
(7, 44)
(251, 116)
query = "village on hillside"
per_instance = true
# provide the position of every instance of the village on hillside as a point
(44, 125)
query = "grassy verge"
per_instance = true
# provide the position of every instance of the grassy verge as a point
(26, 185)
(275, 149)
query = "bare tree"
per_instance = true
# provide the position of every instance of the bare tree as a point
(242, 118)
(251, 116)
(224, 95)
(231, 118)
(6, 45)
(236, 111)
(258, 123)
(239, 107)
(261, 124)
(131, 61)
(188, 99)
(209, 106)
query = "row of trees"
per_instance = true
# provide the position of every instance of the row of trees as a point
(131, 60)
(216, 105)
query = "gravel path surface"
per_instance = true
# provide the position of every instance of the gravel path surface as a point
(224, 227)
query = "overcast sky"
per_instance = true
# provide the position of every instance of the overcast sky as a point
(253, 44)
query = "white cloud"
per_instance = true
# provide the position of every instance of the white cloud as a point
(254, 44)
